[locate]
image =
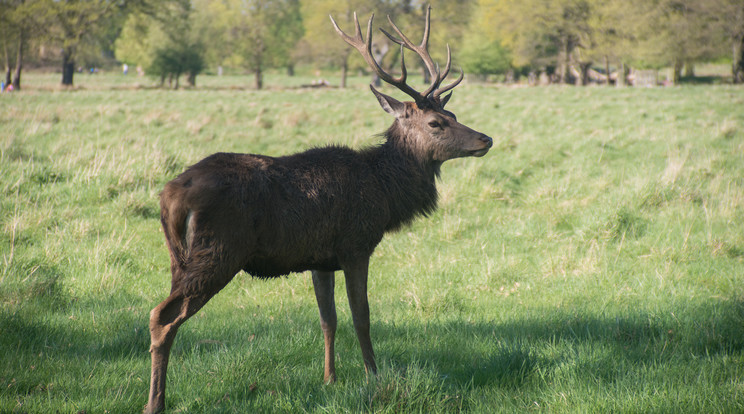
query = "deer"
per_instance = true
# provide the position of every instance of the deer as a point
(323, 210)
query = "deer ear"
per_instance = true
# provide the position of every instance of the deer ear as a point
(390, 105)
(446, 99)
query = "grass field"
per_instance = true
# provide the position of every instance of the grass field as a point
(593, 261)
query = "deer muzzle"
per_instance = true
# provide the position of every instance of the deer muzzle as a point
(486, 143)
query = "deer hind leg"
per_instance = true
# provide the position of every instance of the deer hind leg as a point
(356, 290)
(165, 319)
(164, 322)
(323, 282)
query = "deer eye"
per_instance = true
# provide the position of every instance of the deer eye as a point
(435, 124)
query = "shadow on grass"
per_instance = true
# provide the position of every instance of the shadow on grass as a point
(519, 354)
(705, 80)
(512, 354)
(709, 329)
(108, 329)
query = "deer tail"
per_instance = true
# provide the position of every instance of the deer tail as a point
(175, 218)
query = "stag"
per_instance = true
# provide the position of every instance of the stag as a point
(323, 210)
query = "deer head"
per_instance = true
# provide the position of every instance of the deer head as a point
(424, 123)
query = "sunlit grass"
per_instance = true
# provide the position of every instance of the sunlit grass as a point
(593, 261)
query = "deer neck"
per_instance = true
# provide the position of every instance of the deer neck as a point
(408, 177)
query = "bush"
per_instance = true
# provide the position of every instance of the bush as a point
(488, 58)
(173, 61)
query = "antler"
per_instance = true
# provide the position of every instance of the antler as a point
(433, 92)
(365, 48)
(423, 51)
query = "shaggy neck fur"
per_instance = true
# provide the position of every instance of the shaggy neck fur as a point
(408, 174)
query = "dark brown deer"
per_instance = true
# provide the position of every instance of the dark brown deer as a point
(323, 210)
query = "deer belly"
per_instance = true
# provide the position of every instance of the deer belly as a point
(268, 268)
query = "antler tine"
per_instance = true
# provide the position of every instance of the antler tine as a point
(434, 90)
(457, 81)
(365, 49)
(448, 65)
(359, 29)
(427, 26)
(348, 39)
(435, 83)
(424, 42)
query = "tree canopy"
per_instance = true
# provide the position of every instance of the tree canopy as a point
(562, 38)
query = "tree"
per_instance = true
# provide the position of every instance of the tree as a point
(321, 40)
(546, 32)
(676, 33)
(137, 41)
(615, 29)
(69, 22)
(11, 37)
(291, 29)
(257, 34)
(727, 16)
(172, 61)
(164, 42)
(659, 33)
(17, 26)
(78, 25)
(450, 20)
(482, 51)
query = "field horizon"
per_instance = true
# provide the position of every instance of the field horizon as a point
(592, 261)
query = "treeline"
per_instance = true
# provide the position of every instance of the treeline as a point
(567, 41)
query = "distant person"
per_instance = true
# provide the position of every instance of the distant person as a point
(125, 68)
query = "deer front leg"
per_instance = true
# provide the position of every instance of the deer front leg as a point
(324, 282)
(356, 290)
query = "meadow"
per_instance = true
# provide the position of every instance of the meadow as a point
(592, 261)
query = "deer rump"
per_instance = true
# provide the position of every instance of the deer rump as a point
(271, 216)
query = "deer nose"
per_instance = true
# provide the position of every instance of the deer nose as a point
(486, 140)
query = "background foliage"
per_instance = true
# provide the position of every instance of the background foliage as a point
(565, 39)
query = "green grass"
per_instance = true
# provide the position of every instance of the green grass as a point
(593, 261)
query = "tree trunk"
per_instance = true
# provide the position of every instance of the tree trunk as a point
(563, 61)
(607, 70)
(258, 75)
(290, 69)
(19, 61)
(737, 68)
(191, 79)
(426, 75)
(68, 67)
(584, 68)
(376, 80)
(344, 71)
(6, 55)
(621, 80)
(677, 72)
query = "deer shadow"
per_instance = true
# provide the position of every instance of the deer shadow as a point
(509, 354)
